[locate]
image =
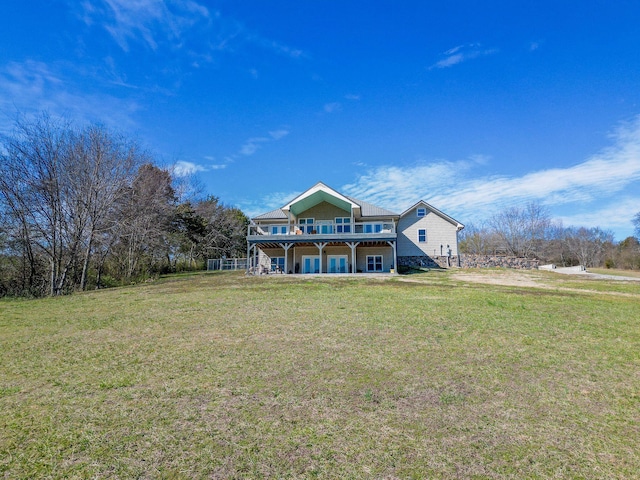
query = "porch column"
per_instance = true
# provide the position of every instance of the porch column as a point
(320, 246)
(352, 246)
(256, 257)
(248, 256)
(395, 254)
(286, 247)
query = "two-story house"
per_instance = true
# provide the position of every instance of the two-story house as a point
(324, 231)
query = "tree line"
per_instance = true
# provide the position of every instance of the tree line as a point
(87, 207)
(530, 232)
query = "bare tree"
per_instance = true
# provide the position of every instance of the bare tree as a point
(522, 230)
(102, 164)
(478, 240)
(30, 186)
(588, 245)
(144, 217)
(58, 188)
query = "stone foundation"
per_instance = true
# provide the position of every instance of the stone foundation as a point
(425, 261)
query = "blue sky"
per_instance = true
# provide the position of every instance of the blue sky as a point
(471, 106)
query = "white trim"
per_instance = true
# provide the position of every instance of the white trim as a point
(421, 209)
(312, 258)
(320, 187)
(425, 235)
(375, 263)
(337, 257)
(282, 267)
(446, 217)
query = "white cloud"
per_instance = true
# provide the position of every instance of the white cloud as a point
(352, 97)
(184, 169)
(397, 188)
(278, 134)
(462, 53)
(147, 21)
(252, 145)
(178, 24)
(617, 215)
(452, 187)
(32, 87)
(267, 203)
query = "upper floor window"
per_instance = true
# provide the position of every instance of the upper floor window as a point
(343, 225)
(422, 235)
(278, 229)
(306, 224)
(421, 211)
(372, 227)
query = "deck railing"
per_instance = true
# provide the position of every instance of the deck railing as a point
(324, 228)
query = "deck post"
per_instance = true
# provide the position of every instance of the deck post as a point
(320, 246)
(286, 247)
(352, 246)
(395, 254)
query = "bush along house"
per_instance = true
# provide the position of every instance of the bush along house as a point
(324, 231)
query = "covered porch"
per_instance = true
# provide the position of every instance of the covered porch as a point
(322, 256)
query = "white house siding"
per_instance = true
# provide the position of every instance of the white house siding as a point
(440, 232)
(363, 252)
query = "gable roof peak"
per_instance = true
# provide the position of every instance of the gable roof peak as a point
(433, 209)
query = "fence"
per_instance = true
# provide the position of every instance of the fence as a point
(227, 264)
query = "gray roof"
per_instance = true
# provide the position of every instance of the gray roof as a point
(366, 210)
(277, 214)
(370, 210)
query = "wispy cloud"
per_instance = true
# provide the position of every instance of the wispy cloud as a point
(613, 216)
(332, 107)
(147, 21)
(255, 207)
(535, 45)
(31, 87)
(178, 24)
(252, 145)
(455, 188)
(462, 53)
(278, 134)
(185, 169)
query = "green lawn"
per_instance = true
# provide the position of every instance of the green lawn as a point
(224, 376)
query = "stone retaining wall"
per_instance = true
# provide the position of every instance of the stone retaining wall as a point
(469, 261)
(502, 261)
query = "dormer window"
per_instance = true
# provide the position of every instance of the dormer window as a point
(421, 212)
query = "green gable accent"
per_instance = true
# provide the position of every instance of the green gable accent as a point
(315, 198)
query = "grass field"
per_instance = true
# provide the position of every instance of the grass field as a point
(470, 374)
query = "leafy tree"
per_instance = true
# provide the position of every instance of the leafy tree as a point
(225, 229)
